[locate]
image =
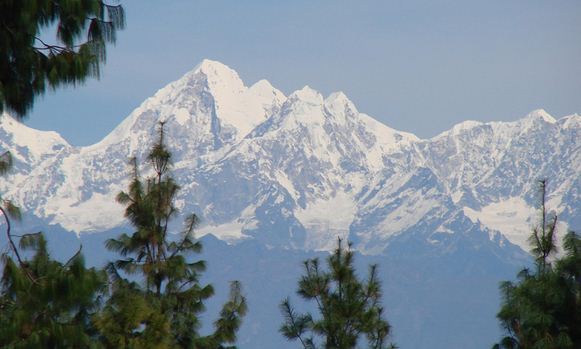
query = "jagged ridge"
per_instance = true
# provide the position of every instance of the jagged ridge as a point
(299, 170)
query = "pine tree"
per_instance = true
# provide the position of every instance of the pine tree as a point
(47, 304)
(44, 303)
(28, 64)
(170, 295)
(542, 309)
(349, 308)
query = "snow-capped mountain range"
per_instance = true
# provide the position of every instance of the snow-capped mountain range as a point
(300, 170)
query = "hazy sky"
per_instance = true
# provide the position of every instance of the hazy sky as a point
(417, 66)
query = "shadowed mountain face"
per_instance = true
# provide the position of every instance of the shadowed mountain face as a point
(280, 177)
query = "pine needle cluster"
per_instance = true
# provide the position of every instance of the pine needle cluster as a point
(29, 64)
(349, 309)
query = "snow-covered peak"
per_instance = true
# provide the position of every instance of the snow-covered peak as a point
(340, 107)
(17, 128)
(458, 129)
(302, 107)
(211, 76)
(307, 95)
(338, 96)
(235, 104)
(465, 125)
(540, 115)
(262, 165)
(212, 66)
(216, 70)
(501, 127)
(537, 119)
(263, 90)
(37, 143)
(220, 77)
(210, 104)
(338, 102)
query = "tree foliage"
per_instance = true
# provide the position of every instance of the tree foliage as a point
(48, 304)
(28, 64)
(542, 309)
(168, 295)
(349, 308)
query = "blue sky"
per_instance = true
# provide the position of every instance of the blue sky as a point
(417, 66)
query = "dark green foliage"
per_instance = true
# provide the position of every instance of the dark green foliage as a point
(132, 319)
(47, 304)
(170, 296)
(28, 64)
(44, 303)
(5, 162)
(542, 310)
(349, 308)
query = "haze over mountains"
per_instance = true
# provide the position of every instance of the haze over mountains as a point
(299, 170)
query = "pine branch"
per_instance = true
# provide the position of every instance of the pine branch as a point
(8, 228)
(77, 254)
(294, 326)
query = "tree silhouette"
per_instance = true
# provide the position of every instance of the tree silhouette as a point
(170, 296)
(28, 64)
(542, 309)
(349, 308)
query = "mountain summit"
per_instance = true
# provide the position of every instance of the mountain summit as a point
(298, 171)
